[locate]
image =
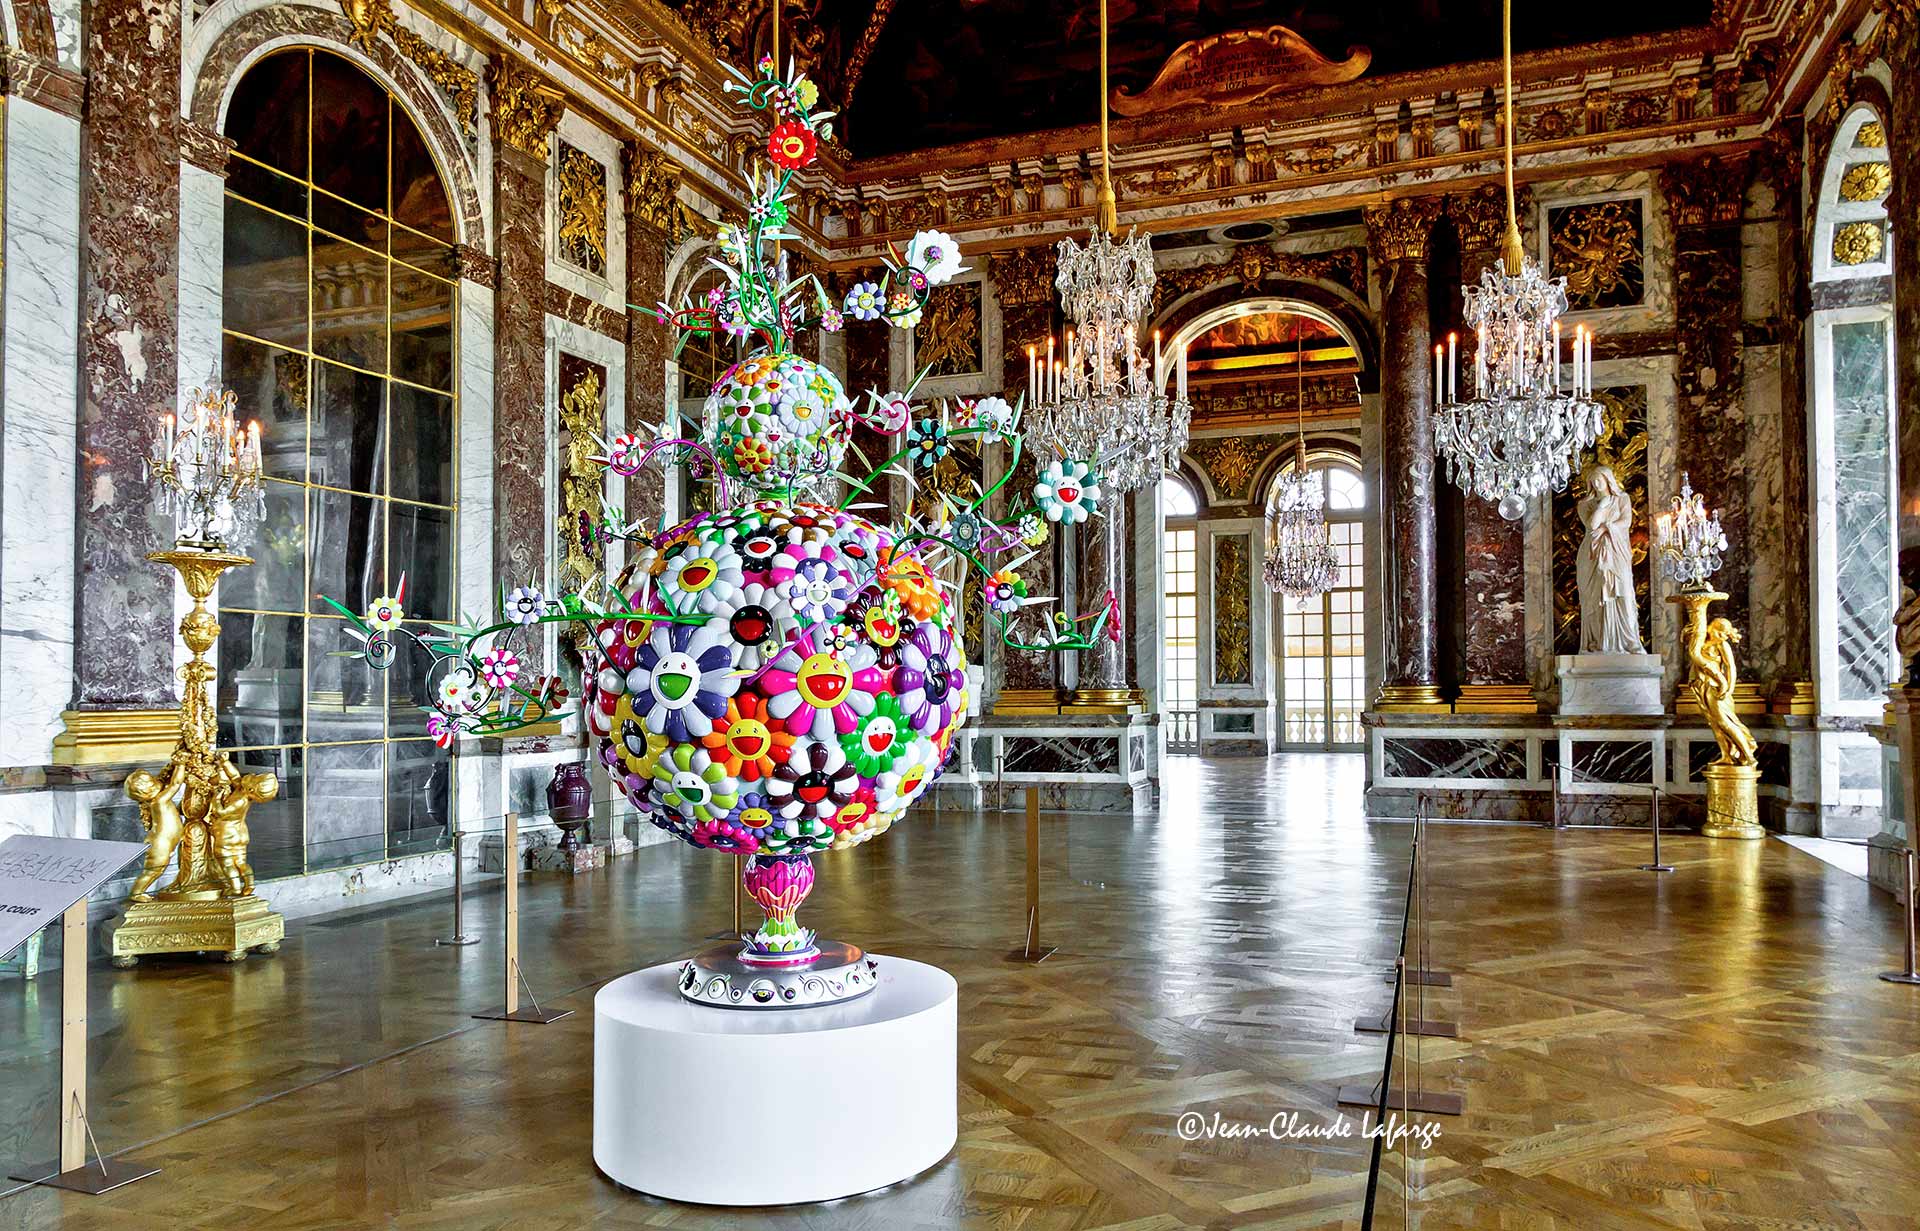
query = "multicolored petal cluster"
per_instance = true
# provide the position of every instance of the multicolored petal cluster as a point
(804, 695)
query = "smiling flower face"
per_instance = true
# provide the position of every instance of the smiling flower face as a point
(879, 740)
(932, 679)
(681, 679)
(1067, 492)
(745, 741)
(687, 781)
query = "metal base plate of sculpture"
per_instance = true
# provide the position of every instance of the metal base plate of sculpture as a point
(195, 810)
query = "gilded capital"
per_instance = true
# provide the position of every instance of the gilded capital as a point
(1401, 230)
(1480, 217)
(653, 188)
(1705, 192)
(526, 109)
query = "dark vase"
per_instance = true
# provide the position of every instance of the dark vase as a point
(570, 803)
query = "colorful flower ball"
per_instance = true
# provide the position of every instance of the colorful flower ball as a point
(797, 691)
(770, 406)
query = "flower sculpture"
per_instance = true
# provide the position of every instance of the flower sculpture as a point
(781, 676)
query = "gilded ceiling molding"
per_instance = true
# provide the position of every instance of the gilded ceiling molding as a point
(1402, 229)
(526, 109)
(863, 50)
(461, 85)
(1237, 69)
(1252, 265)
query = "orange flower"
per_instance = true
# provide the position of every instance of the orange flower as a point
(908, 578)
(746, 742)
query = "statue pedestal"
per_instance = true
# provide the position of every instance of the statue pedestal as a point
(227, 926)
(1610, 684)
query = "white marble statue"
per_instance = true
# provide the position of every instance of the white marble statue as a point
(1609, 618)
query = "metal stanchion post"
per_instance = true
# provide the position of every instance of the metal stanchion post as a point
(1033, 950)
(515, 979)
(1910, 975)
(459, 936)
(1656, 865)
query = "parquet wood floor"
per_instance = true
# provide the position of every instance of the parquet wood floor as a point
(1706, 1050)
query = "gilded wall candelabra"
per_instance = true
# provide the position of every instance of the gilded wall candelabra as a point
(1690, 540)
(195, 810)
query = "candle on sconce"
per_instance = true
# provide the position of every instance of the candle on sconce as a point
(1439, 384)
(1453, 367)
(1182, 394)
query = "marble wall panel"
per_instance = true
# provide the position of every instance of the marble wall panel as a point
(1504, 759)
(1772, 518)
(519, 341)
(38, 467)
(648, 363)
(202, 226)
(130, 234)
(1612, 761)
(475, 514)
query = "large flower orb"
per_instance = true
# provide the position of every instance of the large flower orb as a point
(803, 696)
(774, 414)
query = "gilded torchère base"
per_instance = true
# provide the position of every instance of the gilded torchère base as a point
(1733, 802)
(226, 926)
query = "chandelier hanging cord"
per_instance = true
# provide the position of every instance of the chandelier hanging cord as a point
(1106, 204)
(1513, 255)
(1300, 391)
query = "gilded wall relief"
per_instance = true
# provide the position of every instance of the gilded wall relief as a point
(1623, 446)
(582, 419)
(1858, 243)
(1599, 248)
(1231, 462)
(947, 341)
(582, 210)
(1232, 609)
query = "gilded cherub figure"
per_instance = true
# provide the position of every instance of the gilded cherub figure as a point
(1710, 650)
(160, 815)
(227, 824)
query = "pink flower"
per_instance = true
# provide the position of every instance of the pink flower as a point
(500, 668)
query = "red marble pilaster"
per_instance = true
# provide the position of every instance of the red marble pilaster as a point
(1705, 200)
(524, 115)
(130, 224)
(1493, 635)
(1023, 283)
(1903, 150)
(1399, 234)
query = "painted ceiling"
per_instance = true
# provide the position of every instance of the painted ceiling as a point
(928, 73)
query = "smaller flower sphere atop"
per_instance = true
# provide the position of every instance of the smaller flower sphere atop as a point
(773, 415)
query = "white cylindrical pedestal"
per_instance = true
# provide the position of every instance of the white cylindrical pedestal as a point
(768, 1107)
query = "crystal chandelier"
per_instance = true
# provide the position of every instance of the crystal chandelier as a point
(1301, 564)
(206, 475)
(1689, 539)
(1101, 400)
(1525, 427)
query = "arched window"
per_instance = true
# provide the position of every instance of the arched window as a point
(1323, 641)
(339, 307)
(1179, 580)
(1852, 343)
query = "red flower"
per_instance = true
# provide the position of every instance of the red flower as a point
(792, 145)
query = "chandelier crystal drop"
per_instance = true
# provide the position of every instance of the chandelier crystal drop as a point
(1301, 563)
(206, 474)
(1528, 420)
(1099, 399)
(1689, 539)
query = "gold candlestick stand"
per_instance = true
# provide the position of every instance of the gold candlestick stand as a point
(196, 808)
(1733, 797)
